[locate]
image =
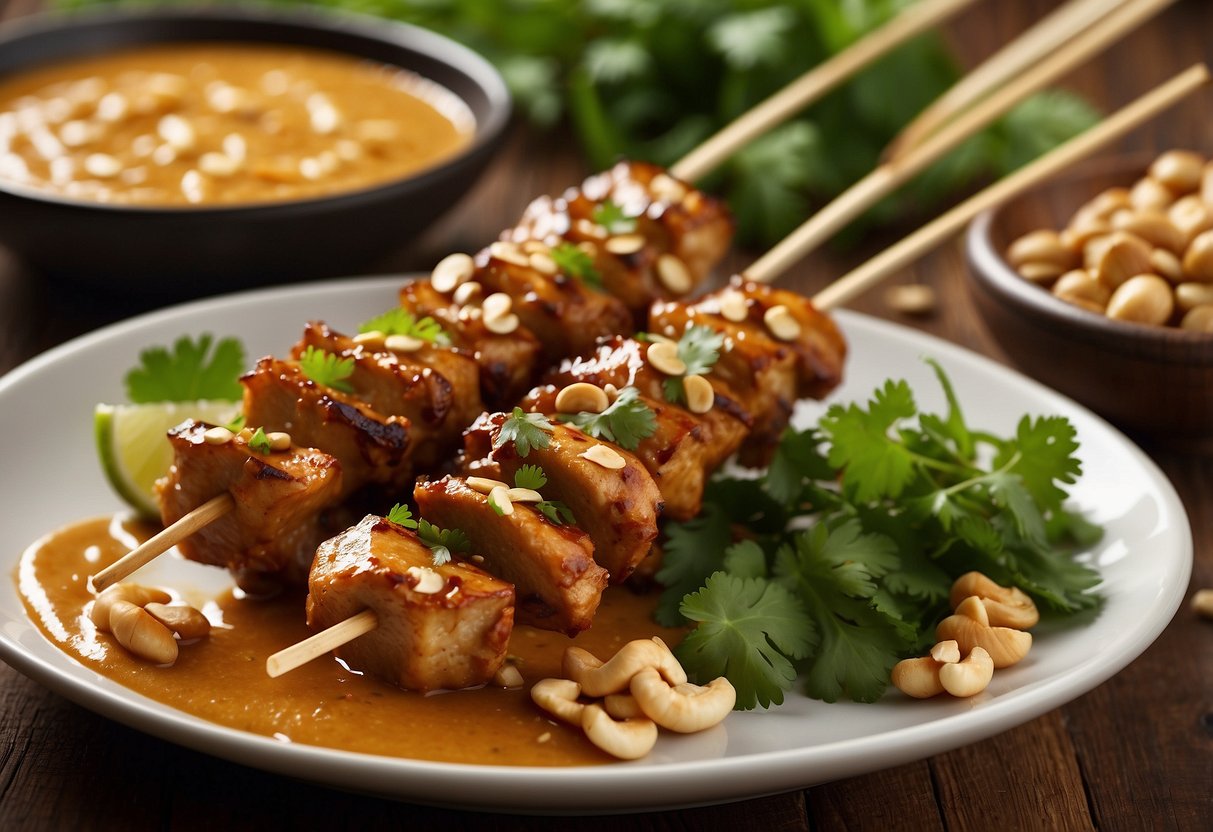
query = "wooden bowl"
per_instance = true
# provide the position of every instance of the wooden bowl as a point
(1156, 381)
(198, 250)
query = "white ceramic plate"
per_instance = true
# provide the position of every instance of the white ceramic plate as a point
(52, 477)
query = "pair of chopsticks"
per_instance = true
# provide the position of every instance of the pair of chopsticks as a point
(1066, 38)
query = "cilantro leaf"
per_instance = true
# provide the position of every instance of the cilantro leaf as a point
(556, 512)
(874, 463)
(327, 369)
(797, 458)
(259, 442)
(399, 321)
(191, 371)
(525, 430)
(530, 476)
(698, 348)
(626, 422)
(611, 217)
(693, 550)
(401, 515)
(749, 631)
(442, 542)
(237, 424)
(574, 261)
(1046, 449)
(745, 559)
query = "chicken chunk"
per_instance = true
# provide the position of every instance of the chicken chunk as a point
(676, 454)
(437, 390)
(618, 508)
(508, 363)
(769, 373)
(439, 627)
(281, 502)
(373, 449)
(556, 581)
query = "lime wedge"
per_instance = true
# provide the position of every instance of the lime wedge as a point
(132, 445)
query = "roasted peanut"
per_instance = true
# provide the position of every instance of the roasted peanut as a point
(1042, 246)
(1150, 193)
(1192, 216)
(1042, 273)
(969, 676)
(1154, 227)
(970, 627)
(1079, 285)
(1202, 603)
(1117, 257)
(1198, 319)
(918, 678)
(1005, 606)
(582, 397)
(141, 634)
(1198, 259)
(1179, 170)
(1190, 295)
(188, 623)
(135, 594)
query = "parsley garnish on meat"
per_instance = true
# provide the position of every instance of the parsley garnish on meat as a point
(327, 369)
(525, 430)
(530, 476)
(441, 541)
(533, 477)
(556, 512)
(626, 422)
(854, 536)
(189, 372)
(611, 217)
(574, 262)
(402, 515)
(399, 321)
(698, 348)
(259, 442)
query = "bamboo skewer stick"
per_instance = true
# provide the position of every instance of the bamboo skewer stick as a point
(1119, 123)
(890, 175)
(812, 85)
(153, 547)
(1049, 34)
(313, 647)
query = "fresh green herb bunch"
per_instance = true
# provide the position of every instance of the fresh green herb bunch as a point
(853, 538)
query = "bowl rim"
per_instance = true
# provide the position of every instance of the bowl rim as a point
(988, 269)
(471, 64)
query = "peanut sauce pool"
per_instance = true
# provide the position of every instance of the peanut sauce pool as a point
(222, 678)
(204, 124)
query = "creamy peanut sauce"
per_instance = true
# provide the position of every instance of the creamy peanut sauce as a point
(206, 124)
(222, 678)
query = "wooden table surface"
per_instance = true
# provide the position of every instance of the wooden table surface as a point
(1135, 753)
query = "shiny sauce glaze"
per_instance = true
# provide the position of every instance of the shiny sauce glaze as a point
(222, 678)
(222, 124)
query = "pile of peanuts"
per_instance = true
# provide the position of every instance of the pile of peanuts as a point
(145, 624)
(988, 628)
(620, 704)
(1142, 254)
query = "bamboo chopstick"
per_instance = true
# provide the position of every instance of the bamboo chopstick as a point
(813, 84)
(315, 646)
(1049, 34)
(1122, 121)
(888, 176)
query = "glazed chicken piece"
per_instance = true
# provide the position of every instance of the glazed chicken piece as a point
(282, 502)
(622, 362)
(439, 627)
(556, 581)
(564, 313)
(769, 370)
(508, 363)
(373, 449)
(666, 240)
(437, 390)
(618, 508)
(676, 454)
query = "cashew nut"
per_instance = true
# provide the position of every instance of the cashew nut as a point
(629, 739)
(186, 622)
(622, 706)
(1005, 606)
(970, 627)
(970, 676)
(684, 708)
(918, 678)
(946, 652)
(559, 698)
(599, 679)
(141, 634)
(134, 593)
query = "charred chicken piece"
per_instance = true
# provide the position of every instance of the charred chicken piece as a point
(617, 507)
(778, 349)
(282, 502)
(373, 449)
(622, 362)
(676, 454)
(666, 239)
(440, 627)
(556, 581)
(508, 362)
(437, 390)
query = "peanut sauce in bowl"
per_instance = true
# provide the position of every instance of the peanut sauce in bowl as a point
(222, 677)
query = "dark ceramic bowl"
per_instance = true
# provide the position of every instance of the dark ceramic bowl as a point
(183, 251)
(1155, 381)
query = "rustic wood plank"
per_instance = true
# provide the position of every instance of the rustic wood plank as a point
(895, 799)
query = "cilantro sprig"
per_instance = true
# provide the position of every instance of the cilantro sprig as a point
(610, 216)
(626, 422)
(530, 476)
(259, 442)
(854, 536)
(399, 321)
(533, 477)
(525, 431)
(187, 372)
(575, 262)
(698, 348)
(442, 542)
(327, 369)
